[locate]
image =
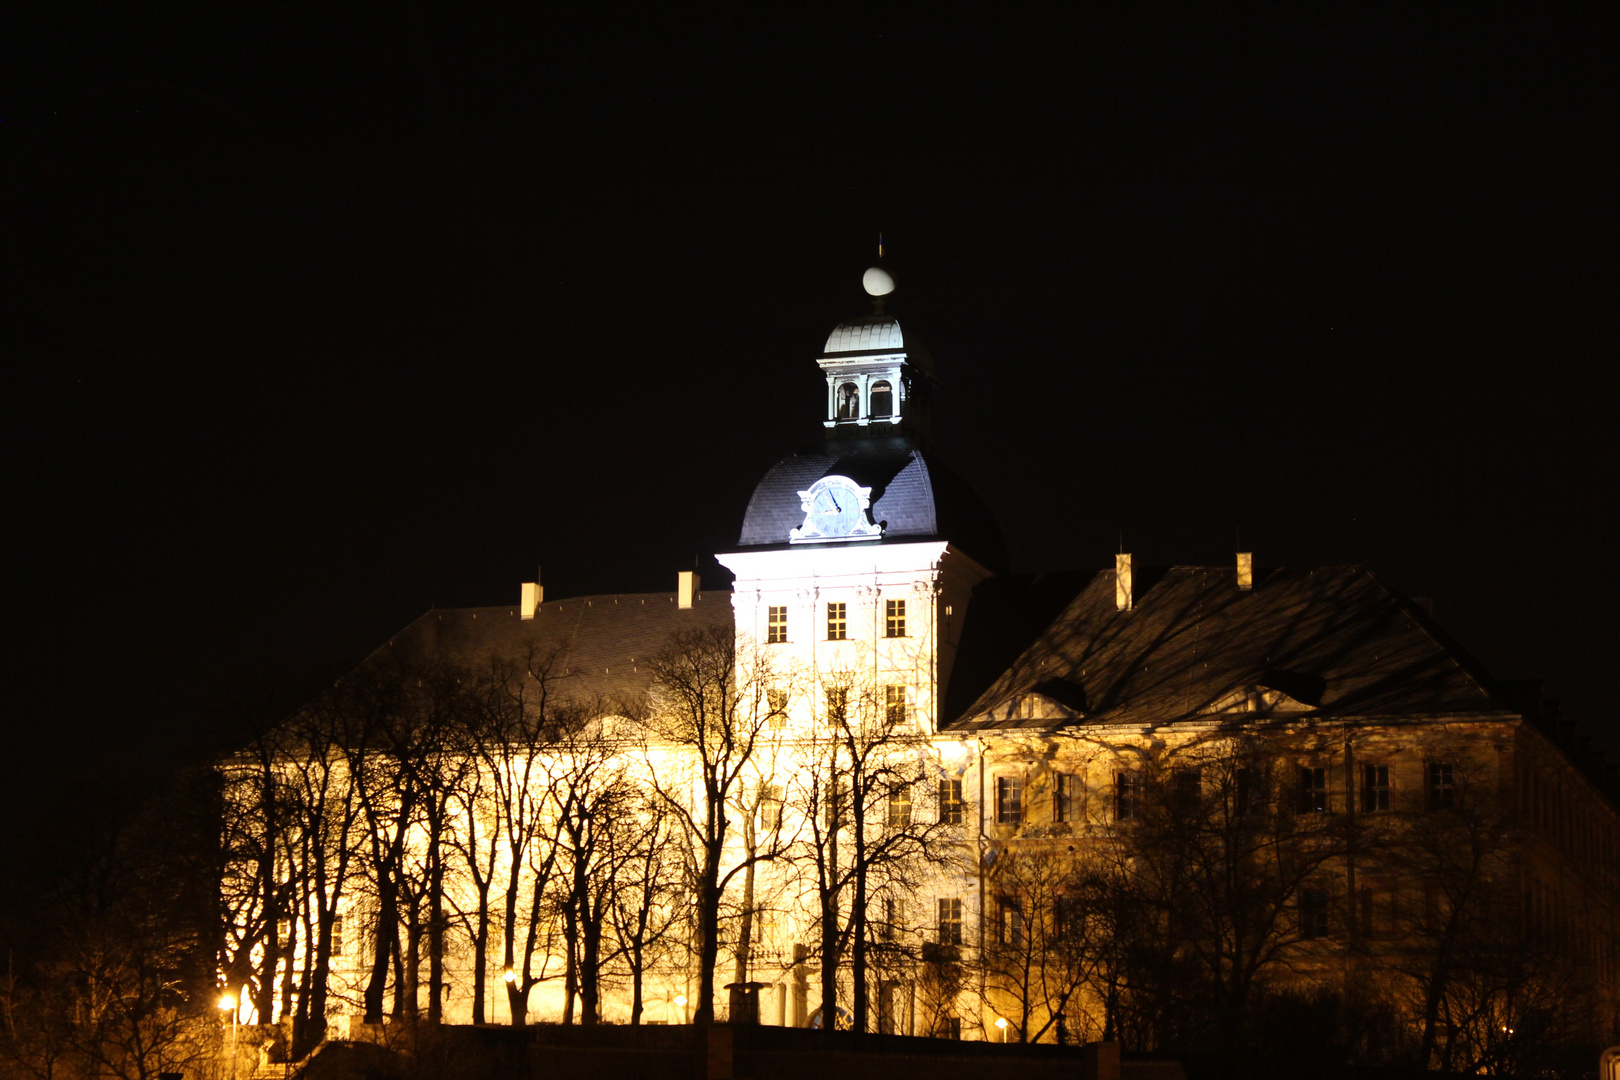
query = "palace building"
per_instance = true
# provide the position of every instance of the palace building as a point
(1027, 726)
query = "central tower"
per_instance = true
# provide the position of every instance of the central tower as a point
(859, 555)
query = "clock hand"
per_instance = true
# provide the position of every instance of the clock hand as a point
(834, 499)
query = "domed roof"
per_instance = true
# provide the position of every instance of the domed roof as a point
(914, 496)
(868, 333)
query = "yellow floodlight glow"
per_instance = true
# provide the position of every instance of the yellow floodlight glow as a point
(227, 1001)
(1001, 1022)
(510, 976)
(680, 1001)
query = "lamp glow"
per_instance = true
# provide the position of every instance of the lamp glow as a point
(510, 976)
(226, 1001)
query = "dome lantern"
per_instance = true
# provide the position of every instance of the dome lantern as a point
(878, 383)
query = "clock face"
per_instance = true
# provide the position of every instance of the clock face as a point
(835, 509)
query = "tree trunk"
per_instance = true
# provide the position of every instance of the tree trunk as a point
(857, 917)
(435, 928)
(481, 953)
(387, 934)
(708, 932)
(590, 958)
(635, 984)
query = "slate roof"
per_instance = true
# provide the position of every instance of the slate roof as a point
(600, 644)
(917, 496)
(1335, 642)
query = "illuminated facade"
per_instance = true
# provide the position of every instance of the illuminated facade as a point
(1033, 710)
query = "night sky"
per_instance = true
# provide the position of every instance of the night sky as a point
(315, 319)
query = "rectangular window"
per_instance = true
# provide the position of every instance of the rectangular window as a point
(950, 802)
(1313, 913)
(337, 935)
(1374, 788)
(1313, 790)
(1247, 799)
(833, 801)
(894, 704)
(1009, 800)
(770, 807)
(1442, 792)
(1127, 796)
(777, 702)
(776, 625)
(837, 704)
(837, 621)
(1188, 781)
(894, 618)
(950, 921)
(899, 813)
(1009, 922)
(894, 917)
(1066, 805)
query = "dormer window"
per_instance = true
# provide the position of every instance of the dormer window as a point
(849, 402)
(881, 403)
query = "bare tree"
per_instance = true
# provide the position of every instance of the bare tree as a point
(1207, 884)
(641, 911)
(1491, 980)
(706, 720)
(520, 716)
(860, 787)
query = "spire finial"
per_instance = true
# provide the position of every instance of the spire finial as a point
(880, 245)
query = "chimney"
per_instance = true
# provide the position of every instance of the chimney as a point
(1122, 582)
(686, 588)
(1245, 571)
(532, 597)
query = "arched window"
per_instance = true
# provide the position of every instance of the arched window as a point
(882, 403)
(849, 402)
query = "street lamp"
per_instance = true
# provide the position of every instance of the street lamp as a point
(228, 1001)
(1001, 1022)
(680, 1003)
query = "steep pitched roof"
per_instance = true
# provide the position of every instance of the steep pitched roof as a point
(598, 644)
(1328, 642)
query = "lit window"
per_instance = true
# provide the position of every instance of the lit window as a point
(1442, 791)
(1009, 800)
(1313, 790)
(894, 704)
(770, 807)
(837, 622)
(776, 625)
(1374, 788)
(899, 815)
(1127, 796)
(950, 921)
(1313, 913)
(777, 702)
(950, 802)
(880, 400)
(894, 618)
(1066, 797)
(837, 704)
(1009, 922)
(337, 935)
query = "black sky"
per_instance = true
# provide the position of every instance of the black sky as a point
(315, 319)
